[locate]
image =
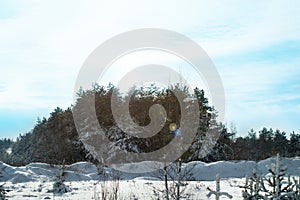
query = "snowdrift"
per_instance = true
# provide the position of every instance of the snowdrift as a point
(87, 171)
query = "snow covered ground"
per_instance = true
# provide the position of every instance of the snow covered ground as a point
(35, 180)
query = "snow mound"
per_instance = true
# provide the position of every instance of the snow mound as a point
(75, 176)
(21, 177)
(292, 165)
(83, 167)
(85, 171)
(226, 169)
(229, 169)
(6, 171)
(140, 167)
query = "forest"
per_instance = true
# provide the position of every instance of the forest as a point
(55, 139)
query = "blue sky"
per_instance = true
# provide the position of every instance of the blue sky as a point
(255, 46)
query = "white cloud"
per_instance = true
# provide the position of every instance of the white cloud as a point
(43, 46)
(262, 94)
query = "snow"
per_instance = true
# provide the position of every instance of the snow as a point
(240, 169)
(136, 188)
(35, 180)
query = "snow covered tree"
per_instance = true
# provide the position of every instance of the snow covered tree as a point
(179, 180)
(274, 186)
(176, 179)
(252, 187)
(217, 192)
(279, 190)
(5, 149)
(57, 139)
(59, 185)
(296, 185)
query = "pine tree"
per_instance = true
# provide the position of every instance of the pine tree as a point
(275, 182)
(273, 187)
(294, 144)
(279, 143)
(252, 187)
(59, 185)
(217, 192)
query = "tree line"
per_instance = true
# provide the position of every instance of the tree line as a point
(55, 139)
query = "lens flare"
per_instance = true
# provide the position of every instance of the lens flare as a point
(172, 127)
(177, 132)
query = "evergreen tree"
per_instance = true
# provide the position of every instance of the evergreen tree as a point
(280, 142)
(294, 145)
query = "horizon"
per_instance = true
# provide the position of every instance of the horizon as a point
(255, 47)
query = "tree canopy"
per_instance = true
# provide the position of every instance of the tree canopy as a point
(55, 139)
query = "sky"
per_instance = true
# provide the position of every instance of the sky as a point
(255, 46)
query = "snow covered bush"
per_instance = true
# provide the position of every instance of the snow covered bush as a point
(297, 184)
(59, 185)
(109, 187)
(3, 192)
